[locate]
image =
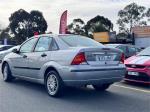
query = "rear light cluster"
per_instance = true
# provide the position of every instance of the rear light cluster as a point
(79, 59)
(122, 58)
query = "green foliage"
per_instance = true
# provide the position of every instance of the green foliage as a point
(132, 15)
(24, 24)
(148, 14)
(5, 34)
(77, 27)
(98, 24)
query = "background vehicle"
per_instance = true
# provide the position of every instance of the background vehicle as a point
(64, 60)
(5, 47)
(139, 67)
(5, 52)
(128, 50)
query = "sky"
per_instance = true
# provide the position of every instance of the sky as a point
(52, 9)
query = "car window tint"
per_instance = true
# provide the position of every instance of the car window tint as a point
(123, 48)
(138, 49)
(28, 46)
(132, 50)
(43, 44)
(54, 46)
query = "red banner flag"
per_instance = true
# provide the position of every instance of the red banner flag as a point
(63, 23)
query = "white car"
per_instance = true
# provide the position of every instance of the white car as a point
(5, 52)
(5, 47)
(64, 60)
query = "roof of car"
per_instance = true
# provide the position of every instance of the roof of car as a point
(120, 44)
(53, 35)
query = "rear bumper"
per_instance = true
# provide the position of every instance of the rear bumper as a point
(79, 77)
(92, 81)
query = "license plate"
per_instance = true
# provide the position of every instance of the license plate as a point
(105, 58)
(133, 73)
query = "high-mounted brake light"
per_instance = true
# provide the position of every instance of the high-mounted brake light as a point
(122, 58)
(36, 34)
(79, 58)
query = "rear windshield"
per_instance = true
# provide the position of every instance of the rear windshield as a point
(75, 41)
(145, 52)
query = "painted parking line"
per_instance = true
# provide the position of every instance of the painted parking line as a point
(131, 88)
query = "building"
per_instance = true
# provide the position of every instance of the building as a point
(141, 36)
(105, 37)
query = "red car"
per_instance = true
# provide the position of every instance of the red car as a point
(138, 67)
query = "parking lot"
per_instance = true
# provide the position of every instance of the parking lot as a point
(23, 96)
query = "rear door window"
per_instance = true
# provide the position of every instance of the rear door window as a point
(43, 44)
(54, 46)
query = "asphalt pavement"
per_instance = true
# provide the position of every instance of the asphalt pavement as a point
(23, 96)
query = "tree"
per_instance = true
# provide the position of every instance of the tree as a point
(132, 15)
(98, 24)
(24, 24)
(76, 27)
(148, 14)
(5, 34)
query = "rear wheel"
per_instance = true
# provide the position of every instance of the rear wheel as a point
(53, 84)
(7, 76)
(102, 87)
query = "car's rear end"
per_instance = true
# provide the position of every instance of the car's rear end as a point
(93, 66)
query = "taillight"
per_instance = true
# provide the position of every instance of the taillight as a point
(78, 59)
(122, 58)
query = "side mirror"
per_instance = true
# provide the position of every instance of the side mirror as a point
(15, 51)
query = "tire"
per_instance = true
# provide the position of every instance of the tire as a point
(54, 84)
(7, 75)
(101, 87)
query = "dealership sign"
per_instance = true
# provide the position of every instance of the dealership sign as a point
(63, 23)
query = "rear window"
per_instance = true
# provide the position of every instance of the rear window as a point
(75, 41)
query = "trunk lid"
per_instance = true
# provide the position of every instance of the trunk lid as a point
(102, 56)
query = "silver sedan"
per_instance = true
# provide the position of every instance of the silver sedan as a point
(64, 60)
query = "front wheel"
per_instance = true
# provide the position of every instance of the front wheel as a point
(102, 87)
(7, 76)
(54, 84)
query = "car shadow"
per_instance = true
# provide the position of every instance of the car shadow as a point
(78, 98)
(140, 85)
(68, 92)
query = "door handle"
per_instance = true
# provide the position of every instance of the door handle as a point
(24, 56)
(43, 55)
